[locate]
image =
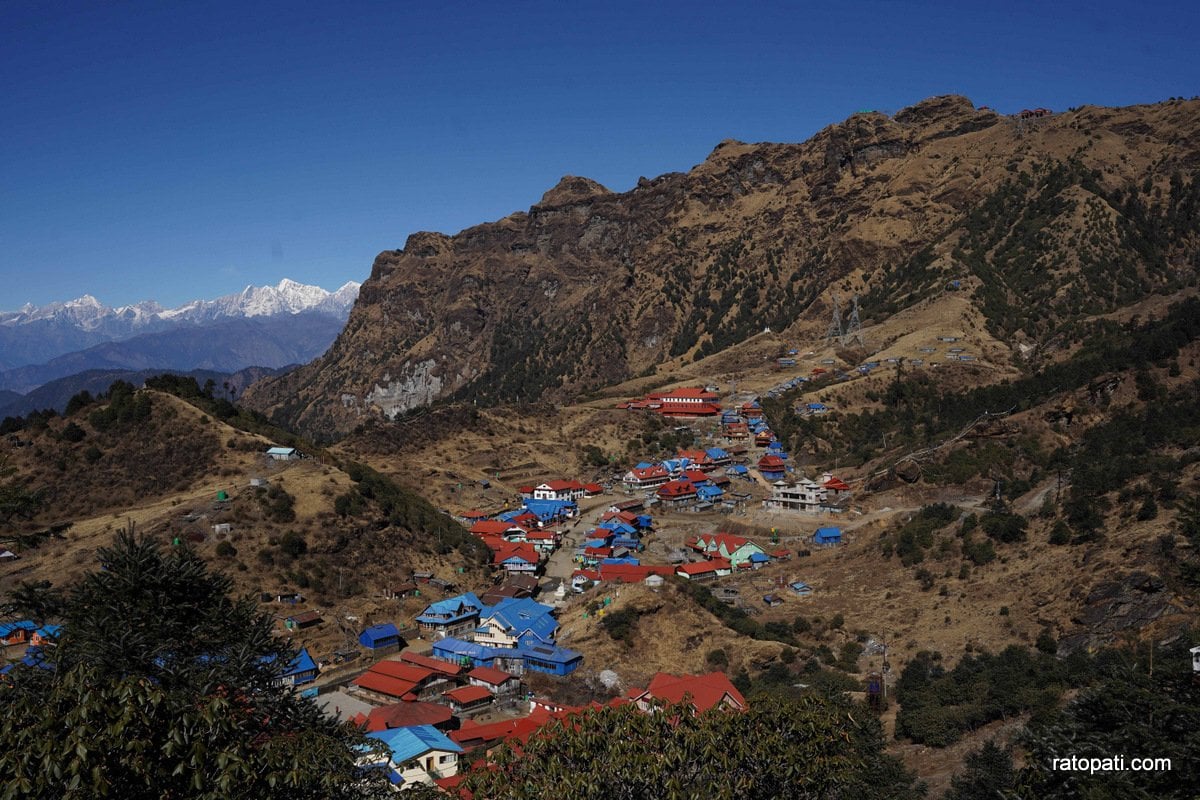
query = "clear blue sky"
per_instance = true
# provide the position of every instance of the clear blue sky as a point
(180, 150)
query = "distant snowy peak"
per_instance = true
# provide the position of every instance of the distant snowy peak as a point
(289, 297)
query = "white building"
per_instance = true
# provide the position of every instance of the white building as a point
(804, 495)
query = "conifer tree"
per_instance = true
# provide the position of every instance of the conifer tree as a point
(164, 686)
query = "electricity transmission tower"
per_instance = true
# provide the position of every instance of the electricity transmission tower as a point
(836, 330)
(853, 332)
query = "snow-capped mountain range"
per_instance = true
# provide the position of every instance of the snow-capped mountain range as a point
(261, 326)
(89, 314)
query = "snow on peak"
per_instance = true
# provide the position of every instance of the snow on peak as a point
(288, 297)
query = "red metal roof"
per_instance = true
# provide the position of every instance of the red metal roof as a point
(490, 526)
(699, 568)
(375, 682)
(772, 463)
(650, 472)
(704, 691)
(435, 664)
(676, 489)
(403, 715)
(563, 485)
(399, 669)
(633, 573)
(689, 409)
(467, 694)
(837, 484)
(472, 731)
(502, 551)
(489, 675)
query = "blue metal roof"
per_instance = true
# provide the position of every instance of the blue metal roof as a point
(414, 741)
(828, 534)
(456, 608)
(459, 647)
(524, 614)
(737, 469)
(375, 634)
(716, 453)
(530, 645)
(708, 492)
(759, 558)
(302, 663)
(549, 509)
(548, 652)
(7, 628)
(616, 526)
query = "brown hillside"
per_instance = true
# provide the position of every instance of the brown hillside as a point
(591, 287)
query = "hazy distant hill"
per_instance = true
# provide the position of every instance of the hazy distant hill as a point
(268, 326)
(226, 346)
(1039, 223)
(57, 393)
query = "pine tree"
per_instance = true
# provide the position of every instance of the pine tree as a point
(163, 686)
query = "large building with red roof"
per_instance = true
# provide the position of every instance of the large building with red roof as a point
(703, 692)
(407, 714)
(646, 477)
(684, 401)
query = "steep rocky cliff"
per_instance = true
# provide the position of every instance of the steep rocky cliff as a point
(1082, 211)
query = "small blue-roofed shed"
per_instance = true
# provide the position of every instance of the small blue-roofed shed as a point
(828, 536)
(380, 637)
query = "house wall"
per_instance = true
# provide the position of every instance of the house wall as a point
(442, 630)
(496, 636)
(430, 766)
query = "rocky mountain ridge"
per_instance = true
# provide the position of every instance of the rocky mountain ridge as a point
(36, 334)
(265, 326)
(590, 287)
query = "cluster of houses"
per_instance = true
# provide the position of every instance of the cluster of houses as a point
(720, 554)
(690, 480)
(522, 538)
(33, 637)
(617, 536)
(516, 635)
(423, 746)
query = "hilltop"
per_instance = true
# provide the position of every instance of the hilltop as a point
(185, 468)
(1038, 223)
